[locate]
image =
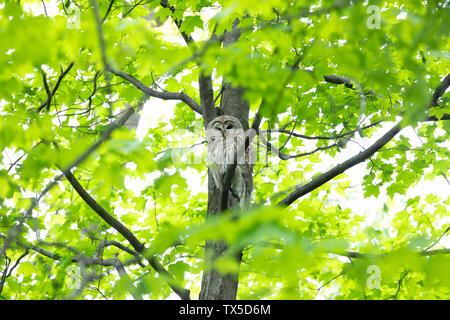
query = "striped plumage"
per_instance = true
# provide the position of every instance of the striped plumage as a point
(226, 139)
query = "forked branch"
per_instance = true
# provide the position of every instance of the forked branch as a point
(51, 94)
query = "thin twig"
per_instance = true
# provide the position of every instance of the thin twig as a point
(108, 11)
(437, 240)
(45, 9)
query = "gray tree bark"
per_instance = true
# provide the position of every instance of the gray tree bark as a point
(216, 285)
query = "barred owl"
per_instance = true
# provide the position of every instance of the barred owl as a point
(226, 139)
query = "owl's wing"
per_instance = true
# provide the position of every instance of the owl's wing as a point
(213, 158)
(217, 175)
(248, 179)
(242, 185)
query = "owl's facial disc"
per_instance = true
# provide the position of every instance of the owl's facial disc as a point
(218, 126)
(227, 127)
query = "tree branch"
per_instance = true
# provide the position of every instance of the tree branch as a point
(107, 133)
(7, 271)
(438, 239)
(127, 234)
(89, 261)
(102, 44)
(257, 119)
(302, 190)
(124, 275)
(340, 168)
(206, 90)
(339, 80)
(108, 11)
(131, 9)
(284, 156)
(440, 90)
(50, 95)
(155, 93)
(228, 178)
(17, 229)
(206, 97)
(298, 135)
(358, 255)
(107, 243)
(446, 116)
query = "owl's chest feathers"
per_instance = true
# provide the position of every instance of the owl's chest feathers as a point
(223, 152)
(226, 146)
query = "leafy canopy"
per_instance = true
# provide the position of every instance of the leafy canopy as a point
(60, 90)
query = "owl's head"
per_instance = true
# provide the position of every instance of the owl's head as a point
(223, 126)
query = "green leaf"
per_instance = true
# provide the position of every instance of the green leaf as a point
(190, 22)
(165, 183)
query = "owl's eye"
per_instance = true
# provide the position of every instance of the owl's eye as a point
(228, 127)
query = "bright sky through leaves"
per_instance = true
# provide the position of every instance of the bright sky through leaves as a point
(128, 220)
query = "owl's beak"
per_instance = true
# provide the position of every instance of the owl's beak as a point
(224, 132)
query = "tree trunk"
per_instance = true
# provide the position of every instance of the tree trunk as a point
(215, 285)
